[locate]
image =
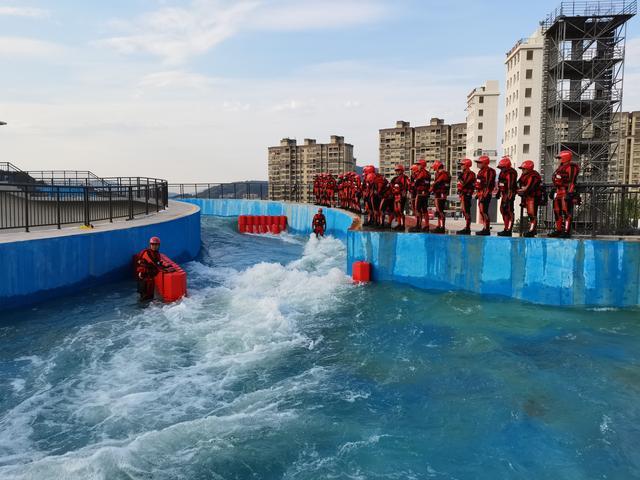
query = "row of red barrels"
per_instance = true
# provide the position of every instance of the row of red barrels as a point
(262, 223)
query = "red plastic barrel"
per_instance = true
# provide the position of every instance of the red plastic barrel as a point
(361, 272)
(282, 221)
(275, 229)
(172, 282)
(250, 221)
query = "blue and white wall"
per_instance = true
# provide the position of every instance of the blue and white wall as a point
(38, 269)
(539, 270)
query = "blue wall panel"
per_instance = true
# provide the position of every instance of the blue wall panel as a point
(34, 270)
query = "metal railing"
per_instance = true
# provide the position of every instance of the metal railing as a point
(257, 190)
(28, 205)
(593, 8)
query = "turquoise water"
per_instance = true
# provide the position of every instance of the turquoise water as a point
(277, 367)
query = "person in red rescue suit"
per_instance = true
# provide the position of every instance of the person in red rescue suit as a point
(420, 187)
(466, 187)
(530, 189)
(400, 202)
(319, 223)
(485, 183)
(507, 186)
(564, 181)
(148, 264)
(440, 190)
(369, 174)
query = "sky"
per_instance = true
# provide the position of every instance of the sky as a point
(196, 90)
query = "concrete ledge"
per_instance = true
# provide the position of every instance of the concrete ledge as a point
(299, 215)
(41, 265)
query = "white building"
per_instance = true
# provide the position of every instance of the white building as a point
(523, 101)
(482, 121)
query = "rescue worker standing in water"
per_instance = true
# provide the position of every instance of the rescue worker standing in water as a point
(319, 223)
(485, 183)
(507, 185)
(564, 181)
(148, 264)
(466, 187)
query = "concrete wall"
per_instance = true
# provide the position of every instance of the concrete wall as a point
(38, 269)
(299, 216)
(539, 270)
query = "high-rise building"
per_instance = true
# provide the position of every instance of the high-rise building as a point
(292, 167)
(584, 45)
(625, 162)
(523, 100)
(482, 121)
(406, 145)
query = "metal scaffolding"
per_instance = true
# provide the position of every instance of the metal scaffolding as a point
(582, 89)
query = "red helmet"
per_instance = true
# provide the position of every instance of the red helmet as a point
(319, 210)
(415, 167)
(483, 160)
(400, 167)
(368, 169)
(527, 165)
(437, 165)
(371, 177)
(565, 156)
(154, 240)
(423, 163)
(505, 162)
(465, 162)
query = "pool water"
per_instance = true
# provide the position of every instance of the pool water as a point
(277, 367)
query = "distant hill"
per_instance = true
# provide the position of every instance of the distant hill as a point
(245, 189)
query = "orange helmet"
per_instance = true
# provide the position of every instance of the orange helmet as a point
(465, 162)
(505, 162)
(527, 165)
(483, 160)
(565, 156)
(437, 165)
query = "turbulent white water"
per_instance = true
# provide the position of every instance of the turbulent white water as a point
(159, 389)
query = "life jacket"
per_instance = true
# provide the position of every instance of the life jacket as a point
(421, 183)
(507, 180)
(565, 177)
(403, 181)
(466, 182)
(486, 180)
(319, 220)
(148, 263)
(442, 183)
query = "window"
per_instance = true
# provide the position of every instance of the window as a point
(527, 93)
(481, 99)
(527, 130)
(529, 74)
(527, 111)
(529, 54)
(525, 148)
(480, 125)
(479, 138)
(480, 113)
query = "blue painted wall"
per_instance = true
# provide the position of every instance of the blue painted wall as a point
(299, 216)
(35, 270)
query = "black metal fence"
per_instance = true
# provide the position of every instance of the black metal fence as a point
(603, 209)
(39, 204)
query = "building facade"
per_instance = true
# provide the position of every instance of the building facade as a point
(406, 145)
(625, 162)
(524, 68)
(482, 121)
(292, 167)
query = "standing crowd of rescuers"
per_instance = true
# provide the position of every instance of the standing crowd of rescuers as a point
(386, 201)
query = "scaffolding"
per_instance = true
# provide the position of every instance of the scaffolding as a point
(582, 89)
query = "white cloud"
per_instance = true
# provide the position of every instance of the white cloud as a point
(175, 79)
(23, 12)
(21, 47)
(176, 34)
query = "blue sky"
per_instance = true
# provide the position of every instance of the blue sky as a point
(197, 90)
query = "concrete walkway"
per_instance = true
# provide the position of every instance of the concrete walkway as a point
(174, 211)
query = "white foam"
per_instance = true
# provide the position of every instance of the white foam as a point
(153, 384)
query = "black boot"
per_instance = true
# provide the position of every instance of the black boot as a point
(504, 233)
(464, 231)
(556, 234)
(484, 232)
(529, 234)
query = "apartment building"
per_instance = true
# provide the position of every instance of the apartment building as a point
(406, 145)
(482, 121)
(524, 68)
(625, 160)
(292, 167)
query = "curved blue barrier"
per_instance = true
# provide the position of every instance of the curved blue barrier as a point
(539, 270)
(43, 268)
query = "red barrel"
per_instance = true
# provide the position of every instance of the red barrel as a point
(282, 222)
(275, 229)
(361, 272)
(250, 219)
(242, 223)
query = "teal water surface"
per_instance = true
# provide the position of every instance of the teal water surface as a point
(277, 367)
